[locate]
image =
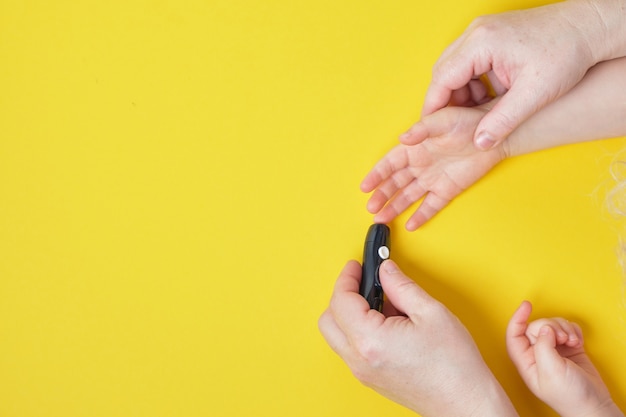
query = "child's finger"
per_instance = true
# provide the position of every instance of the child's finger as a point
(431, 126)
(566, 333)
(388, 189)
(573, 333)
(377, 201)
(517, 343)
(377, 175)
(400, 202)
(395, 160)
(579, 333)
(472, 94)
(416, 134)
(546, 356)
(431, 205)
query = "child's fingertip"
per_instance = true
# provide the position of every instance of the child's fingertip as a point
(545, 330)
(363, 188)
(572, 343)
(411, 225)
(562, 337)
(416, 134)
(381, 217)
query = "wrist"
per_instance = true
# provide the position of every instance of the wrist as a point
(607, 409)
(494, 402)
(472, 393)
(605, 34)
(588, 408)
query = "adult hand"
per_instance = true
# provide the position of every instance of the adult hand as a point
(417, 353)
(531, 57)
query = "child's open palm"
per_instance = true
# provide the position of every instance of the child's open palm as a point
(437, 161)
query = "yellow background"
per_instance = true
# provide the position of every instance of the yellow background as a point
(179, 189)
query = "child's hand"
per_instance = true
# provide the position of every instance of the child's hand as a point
(550, 358)
(437, 160)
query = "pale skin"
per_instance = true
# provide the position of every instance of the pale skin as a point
(436, 160)
(550, 357)
(417, 353)
(518, 50)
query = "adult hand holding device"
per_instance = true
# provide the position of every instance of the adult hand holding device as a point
(416, 353)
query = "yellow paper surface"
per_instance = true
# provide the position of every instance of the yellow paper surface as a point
(179, 189)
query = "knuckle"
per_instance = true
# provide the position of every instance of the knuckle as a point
(412, 194)
(322, 321)
(370, 351)
(482, 27)
(366, 367)
(334, 305)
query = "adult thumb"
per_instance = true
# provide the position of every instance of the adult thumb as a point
(513, 108)
(401, 291)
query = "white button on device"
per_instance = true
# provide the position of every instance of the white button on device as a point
(383, 252)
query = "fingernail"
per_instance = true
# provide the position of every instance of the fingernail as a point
(544, 331)
(404, 136)
(484, 141)
(390, 266)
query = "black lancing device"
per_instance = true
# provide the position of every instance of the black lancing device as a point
(377, 243)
